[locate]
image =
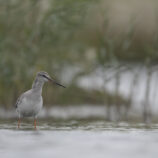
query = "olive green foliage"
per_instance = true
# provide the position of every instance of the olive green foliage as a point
(34, 38)
(51, 35)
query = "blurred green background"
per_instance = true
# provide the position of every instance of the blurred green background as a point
(71, 39)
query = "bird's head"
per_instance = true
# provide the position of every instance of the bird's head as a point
(44, 76)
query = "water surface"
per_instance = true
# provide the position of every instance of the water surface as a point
(78, 139)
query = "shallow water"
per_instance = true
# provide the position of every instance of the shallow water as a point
(76, 139)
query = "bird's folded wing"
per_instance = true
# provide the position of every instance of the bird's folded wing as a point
(19, 100)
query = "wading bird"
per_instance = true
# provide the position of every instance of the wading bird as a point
(30, 103)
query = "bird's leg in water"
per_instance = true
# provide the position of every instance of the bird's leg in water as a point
(35, 123)
(19, 120)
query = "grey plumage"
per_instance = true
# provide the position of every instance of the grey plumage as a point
(18, 101)
(30, 103)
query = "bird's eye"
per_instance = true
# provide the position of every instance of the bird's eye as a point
(45, 76)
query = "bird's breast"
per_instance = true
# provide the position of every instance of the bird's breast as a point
(30, 106)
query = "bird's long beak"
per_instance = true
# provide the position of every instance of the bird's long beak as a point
(55, 82)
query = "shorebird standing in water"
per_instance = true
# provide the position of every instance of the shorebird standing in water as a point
(30, 103)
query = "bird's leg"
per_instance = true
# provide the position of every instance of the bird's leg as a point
(35, 123)
(19, 123)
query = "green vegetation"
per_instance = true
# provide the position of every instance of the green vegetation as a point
(53, 35)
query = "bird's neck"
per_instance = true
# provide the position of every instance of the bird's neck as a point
(37, 85)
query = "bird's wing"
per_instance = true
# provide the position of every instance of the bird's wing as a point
(19, 100)
(21, 97)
